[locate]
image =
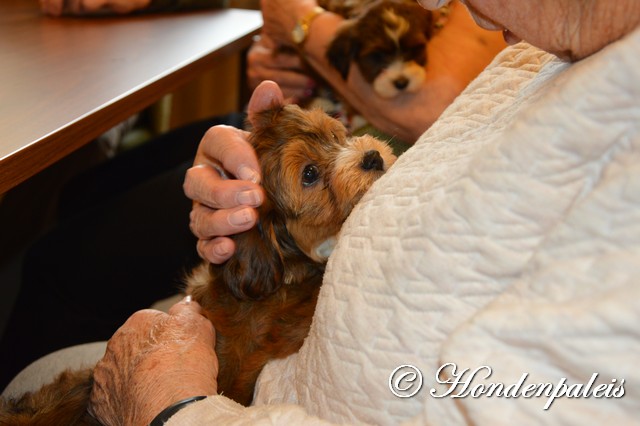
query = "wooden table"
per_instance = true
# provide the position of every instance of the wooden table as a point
(65, 81)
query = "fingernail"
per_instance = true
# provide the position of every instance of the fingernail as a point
(240, 217)
(187, 299)
(249, 198)
(247, 173)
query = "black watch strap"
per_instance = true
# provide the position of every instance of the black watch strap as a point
(172, 409)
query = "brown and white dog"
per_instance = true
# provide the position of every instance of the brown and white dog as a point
(387, 41)
(260, 301)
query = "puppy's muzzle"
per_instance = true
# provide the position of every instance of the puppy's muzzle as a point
(372, 160)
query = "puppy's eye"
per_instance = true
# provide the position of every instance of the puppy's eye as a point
(418, 53)
(418, 50)
(310, 175)
(376, 57)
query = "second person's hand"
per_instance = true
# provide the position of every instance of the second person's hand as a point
(266, 62)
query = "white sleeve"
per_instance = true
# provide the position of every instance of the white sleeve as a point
(221, 410)
(576, 345)
(572, 318)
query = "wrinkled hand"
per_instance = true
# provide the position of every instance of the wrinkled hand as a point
(223, 207)
(154, 360)
(266, 62)
(280, 17)
(87, 7)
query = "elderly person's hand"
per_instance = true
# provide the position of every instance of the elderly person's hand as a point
(81, 7)
(222, 206)
(281, 16)
(155, 360)
(266, 62)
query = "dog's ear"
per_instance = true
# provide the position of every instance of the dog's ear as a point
(256, 269)
(264, 121)
(424, 19)
(344, 47)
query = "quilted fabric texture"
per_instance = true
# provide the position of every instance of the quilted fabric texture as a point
(445, 231)
(508, 236)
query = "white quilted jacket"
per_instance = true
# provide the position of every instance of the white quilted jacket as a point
(507, 237)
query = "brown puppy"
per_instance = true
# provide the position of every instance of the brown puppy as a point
(260, 301)
(386, 39)
(313, 175)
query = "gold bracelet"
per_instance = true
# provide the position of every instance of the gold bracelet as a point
(300, 32)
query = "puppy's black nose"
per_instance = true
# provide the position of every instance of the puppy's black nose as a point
(401, 83)
(372, 160)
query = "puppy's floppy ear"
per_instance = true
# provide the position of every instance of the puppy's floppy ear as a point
(256, 269)
(264, 123)
(425, 21)
(344, 47)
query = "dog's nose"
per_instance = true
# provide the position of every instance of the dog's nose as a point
(401, 83)
(372, 160)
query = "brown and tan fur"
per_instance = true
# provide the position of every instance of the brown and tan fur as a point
(260, 301)
(387, 41)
